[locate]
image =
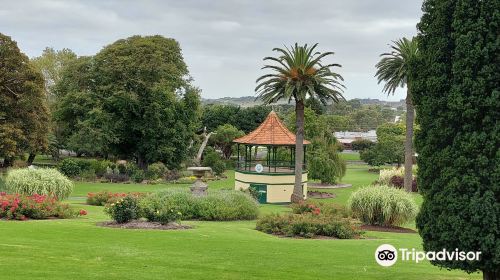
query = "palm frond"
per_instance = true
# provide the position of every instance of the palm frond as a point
(297, 73)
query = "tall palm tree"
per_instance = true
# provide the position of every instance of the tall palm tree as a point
(297, 73)
(395, 70)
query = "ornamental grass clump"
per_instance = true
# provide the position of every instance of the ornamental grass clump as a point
(382, 205)
(43, 181)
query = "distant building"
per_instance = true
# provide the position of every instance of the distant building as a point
(347, 137)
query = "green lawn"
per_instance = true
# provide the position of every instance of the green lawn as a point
(350, 156)
(78, 249)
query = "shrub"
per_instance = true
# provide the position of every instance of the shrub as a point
(362, 144)
(44, 181)
(213, 160)
(186, 180)
(302, 207)
(123, 210)
(172, 175)
(70, 167)
(105, 197)
(398, 182)
(99, 166)
(88, 175)
(387, 174)
(156, 171)
(22, 207)
(382, 205)
(116, 177)
(227, 206)
(308, 226)
(217, 205)
(161, 209)
(138, 175)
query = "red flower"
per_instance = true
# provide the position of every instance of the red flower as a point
(83, 212)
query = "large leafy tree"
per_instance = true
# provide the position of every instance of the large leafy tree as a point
(389, 147)
(142, 84)
(51, 63)
(133, 99)
(24, 115)
(223, 138)
(457, 98)
(395, 69)
(298, 74)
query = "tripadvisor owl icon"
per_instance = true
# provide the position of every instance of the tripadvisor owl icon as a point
(386, 255)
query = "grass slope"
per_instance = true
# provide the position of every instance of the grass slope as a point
(78, 249)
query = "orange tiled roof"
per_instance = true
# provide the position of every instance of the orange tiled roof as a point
(271, 132)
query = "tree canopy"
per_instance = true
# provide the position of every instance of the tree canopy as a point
(457, 98)
(24, 114)
(134, 99)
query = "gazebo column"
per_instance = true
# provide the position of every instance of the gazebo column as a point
(304, 165)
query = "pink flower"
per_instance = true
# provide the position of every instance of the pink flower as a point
(83, 212)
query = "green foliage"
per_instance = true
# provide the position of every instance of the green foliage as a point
(24, 114)
(395, 68)
(138, 175)
(456, 93)
(353, 116)
(389, 147)
(227, 206)
(213, 160)
(361, 144)
(307, 225)
(132, 99)
(326, 166)
(123, 210)
(382, 205)
(51, 63)
(217, 205)
(105, 197)
(69, 167)
(156, 170)
(245, 119)
(43, 181)
(223, 138)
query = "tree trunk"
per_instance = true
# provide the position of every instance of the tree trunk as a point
(141, 162)
(298, 194)
(202, 147)
(31, 158)
(8, 161)
(491, 275)
(410, 116)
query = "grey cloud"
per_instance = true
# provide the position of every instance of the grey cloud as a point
(223, 41)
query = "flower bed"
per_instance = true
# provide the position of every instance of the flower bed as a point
(309, 221)
(23, 207)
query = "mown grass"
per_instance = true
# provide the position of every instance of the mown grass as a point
(78, 249)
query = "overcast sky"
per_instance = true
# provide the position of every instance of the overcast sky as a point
(224, 41)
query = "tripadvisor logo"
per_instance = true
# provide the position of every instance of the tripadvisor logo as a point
(387, 255)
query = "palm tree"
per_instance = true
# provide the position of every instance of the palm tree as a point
(298, 74)
(395, 70)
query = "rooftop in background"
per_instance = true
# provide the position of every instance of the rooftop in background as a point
(349, 136)
(271, 132)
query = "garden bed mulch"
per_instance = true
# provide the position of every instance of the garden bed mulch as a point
(318, 237)
(320, 195)
(387, 229)
(144, 225)
(327, 186)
